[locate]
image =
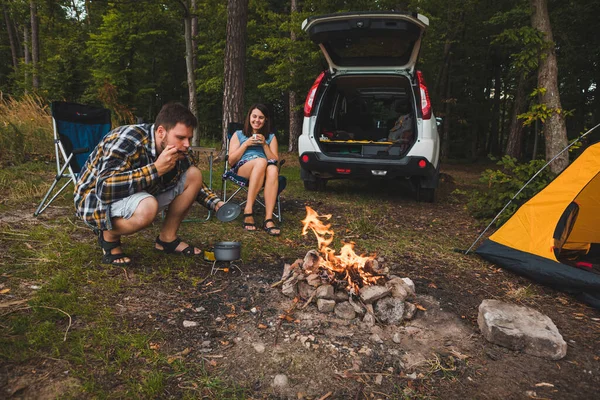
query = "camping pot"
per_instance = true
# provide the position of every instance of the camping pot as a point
(227, 251)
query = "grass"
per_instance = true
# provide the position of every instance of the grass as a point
(69, 318)
(25, 131)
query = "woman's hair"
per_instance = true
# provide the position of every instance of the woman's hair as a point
(266, 128)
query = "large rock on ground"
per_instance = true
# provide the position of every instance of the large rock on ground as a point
(520, 328)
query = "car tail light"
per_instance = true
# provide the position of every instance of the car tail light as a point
(310, 98)
(425, 102)
(344, 171)
(422, 163)
(304, 158)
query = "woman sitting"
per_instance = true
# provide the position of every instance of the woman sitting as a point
(254, 156)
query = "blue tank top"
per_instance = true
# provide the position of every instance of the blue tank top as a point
(253, 151)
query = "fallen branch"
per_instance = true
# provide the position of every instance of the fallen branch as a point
(310, 299)
(326, 395)
(13, 303)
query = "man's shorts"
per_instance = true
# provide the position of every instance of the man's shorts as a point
(125, 208)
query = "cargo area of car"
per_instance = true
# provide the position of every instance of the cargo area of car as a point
(369, 116)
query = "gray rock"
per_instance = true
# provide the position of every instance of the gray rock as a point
(280, 382)
(313, 280)
(287, 271)
(410, 284)
(369, 319)
(400, 288)
(390, 310)
(372, 293)
(289, 287)
(520, 328)
(375, 338)
(409, 310)
(344, 310)
(189, 324)
(311, 260)
(341, 296)
(305, 291)
(358, 308)
(259, 347)
(325, 292)
(325, 306)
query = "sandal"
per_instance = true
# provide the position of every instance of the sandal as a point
(170, 248)
(247, 225)
(271, 228)
(107, 256)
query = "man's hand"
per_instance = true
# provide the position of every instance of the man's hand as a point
(166, 160)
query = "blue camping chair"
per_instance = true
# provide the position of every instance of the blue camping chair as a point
(240, 184)
(77, 130)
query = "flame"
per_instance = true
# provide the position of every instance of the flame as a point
(348, 264)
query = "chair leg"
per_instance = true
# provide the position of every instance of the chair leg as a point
(43, 204)
(278, 209)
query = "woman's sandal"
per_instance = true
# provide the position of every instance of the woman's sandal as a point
(247, 225)
(270, 229)
(107, 256)
(170, 248)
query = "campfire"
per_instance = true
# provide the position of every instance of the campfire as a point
(346, 284)
(356, 270)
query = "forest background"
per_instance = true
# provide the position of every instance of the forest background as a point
(481, 58)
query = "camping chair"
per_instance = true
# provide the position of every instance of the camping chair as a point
(240, 184)
(77, 130)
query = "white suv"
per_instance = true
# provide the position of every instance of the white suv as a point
(369, 115)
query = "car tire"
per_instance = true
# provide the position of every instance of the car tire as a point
(315, 186)
(425, 195)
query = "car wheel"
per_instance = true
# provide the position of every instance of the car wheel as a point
(425, 195)
(315, 186)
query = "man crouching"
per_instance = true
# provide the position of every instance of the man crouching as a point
(137, 171)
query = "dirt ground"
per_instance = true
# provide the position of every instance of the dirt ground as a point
(249, 333)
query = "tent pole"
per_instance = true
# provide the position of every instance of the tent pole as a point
(527, 183)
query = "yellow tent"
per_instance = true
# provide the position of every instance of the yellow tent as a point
(556, 231)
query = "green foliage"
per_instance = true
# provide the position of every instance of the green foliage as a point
(540, 111)
(502, 185)
(526, 44)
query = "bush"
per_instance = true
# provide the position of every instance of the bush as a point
(503, 184)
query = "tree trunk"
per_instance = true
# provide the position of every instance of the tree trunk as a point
(295, 119)
(189, 65)
(235, 58)
(26, 54)
(194, 12)
(494, 137)
(445, 137)
(555, 131)
(35, 48)
(88, 18)
(514, 144)
(11, 38)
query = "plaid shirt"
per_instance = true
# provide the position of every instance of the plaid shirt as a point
(123, 164)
